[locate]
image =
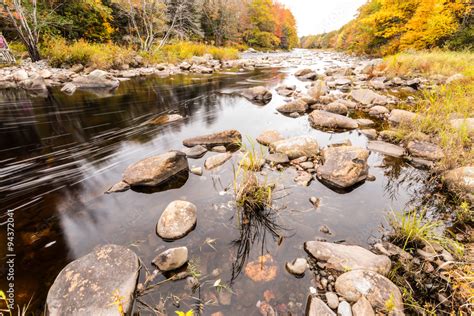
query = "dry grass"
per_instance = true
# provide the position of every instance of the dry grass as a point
(445, 63)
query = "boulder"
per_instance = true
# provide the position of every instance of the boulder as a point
(466, 124)
(217, 160)
(156, 170)
(332, 300)
(378, 110)
(258, 94)
(323, 119)
(269, 137)
(343, 166)
(298, 106)
(402, 117)
(195, 152)
(318, 89)
(303, 72)
(425, 150)
(296, 147)
(228, 138)
(362, 308)
(95, 80)
(342, 258)
(461, 181)
(286, 90)
(386, 148)
(88, 285)
(333, 107)
(177, 220)
(368, 97)
(171, 259)
(370, 133)
(376, 288)
(316, 307)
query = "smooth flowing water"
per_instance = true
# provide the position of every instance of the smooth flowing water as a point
(58, 155)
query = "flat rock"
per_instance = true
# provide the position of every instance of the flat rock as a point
(87, 285)
(297, 147)
(362, 308)
(171, 259)
(297, 106)
(217, 160)
(365, 122)
(177, 220)
(461, 181)
(317, 307)
(195, 152)
(303, 178)
(333, 107)
(323, 119)
(277, 158)
(368, 97)
(269, 137)
(227, 138)
(343, 166)
(342, 258)
(386, 148)
(376, 288)
(156, 170)
(425, 150)
(258, 94)
(402, 117)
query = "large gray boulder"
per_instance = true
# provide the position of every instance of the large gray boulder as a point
(461, 181)
(156, 170)
(227, 138)
(342, 258)
(177, 220)
(298, 106)
(386, 148)
(258, 94)
(343, 166)
(328, 120)
(90, 284)
(376, 288)
(368, 97)
(296, 147)
(425, 150)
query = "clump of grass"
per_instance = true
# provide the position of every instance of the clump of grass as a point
(436, 109)
(251, 194)
(59, 52)
(462, 283)
(464, 213)
(412, 230)
(445, 63)
(183, 50)
(253, 158)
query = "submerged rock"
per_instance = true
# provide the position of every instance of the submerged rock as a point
(323, 119)
(87, 286)
(217, 160)
(342, 258)
(258, 94)
(166, 118)
(171, 259)
(376, 288)
(343, 166)
(228, 138)
(296, 147)
(297, 106)
(177, 220)
(425, 150)
(119, 187)
(386, 148)
(156, 170)
(195, 152)
(269, 137)
(461, 181)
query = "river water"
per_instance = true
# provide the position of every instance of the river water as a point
(59, 154)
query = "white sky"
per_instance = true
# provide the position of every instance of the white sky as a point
(319, 16)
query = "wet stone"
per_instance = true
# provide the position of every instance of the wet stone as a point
(425, 150)
(328, 120)
(277, 158)
(177, 220)
(296, 147)
(269, 137)
(332, 300)
(195, 152)
(386, 148)
(344, 309)
(258, 94)
(297, 267)
(219, 149)
(228, 138)
(171, 259)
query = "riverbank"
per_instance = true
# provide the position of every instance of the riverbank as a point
(334, 141)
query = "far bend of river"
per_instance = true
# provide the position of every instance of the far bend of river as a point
(59, 154)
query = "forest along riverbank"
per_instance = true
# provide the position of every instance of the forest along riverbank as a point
(293, 159)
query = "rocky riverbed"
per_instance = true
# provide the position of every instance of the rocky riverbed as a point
(143, 177)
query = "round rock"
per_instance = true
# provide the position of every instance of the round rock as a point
(177, 220)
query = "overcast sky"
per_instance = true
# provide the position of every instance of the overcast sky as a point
(319, 16)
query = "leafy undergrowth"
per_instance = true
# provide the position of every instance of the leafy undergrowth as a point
(429, 63)
(59, 52)
(439, 285)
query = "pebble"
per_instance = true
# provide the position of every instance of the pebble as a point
(197, 171)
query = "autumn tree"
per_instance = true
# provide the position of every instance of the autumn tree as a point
(222, 20)
(263, 25)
